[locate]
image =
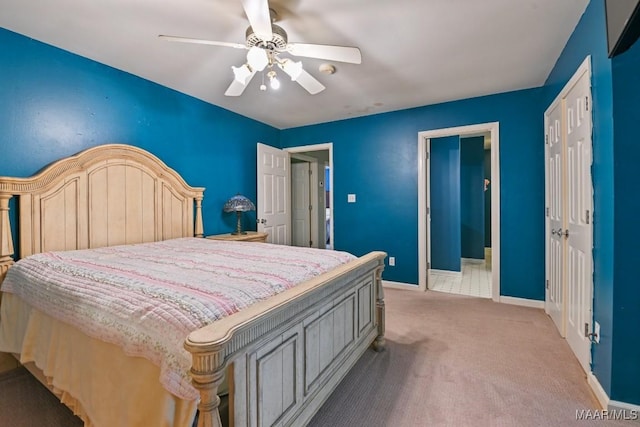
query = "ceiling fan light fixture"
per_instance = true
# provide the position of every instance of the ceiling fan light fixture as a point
(242, 74)
(273, 80)
(257, 58)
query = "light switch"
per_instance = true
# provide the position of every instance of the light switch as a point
(351, 198)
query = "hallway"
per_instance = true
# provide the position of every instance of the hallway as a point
(475, 279)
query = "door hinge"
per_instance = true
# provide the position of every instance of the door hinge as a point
(547, 285)
(428, 210)
(310, 172)
(586, 103)
(310, 243)
(547, 208)
(586, 330)
(426, 155)
(587, 217)
(428, 265)
(546, 139)
(310, 207)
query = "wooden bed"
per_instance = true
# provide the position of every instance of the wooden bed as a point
(283, 356)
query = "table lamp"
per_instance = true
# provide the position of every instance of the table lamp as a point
(239, 204)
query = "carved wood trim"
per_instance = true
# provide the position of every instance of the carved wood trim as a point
(83, 160)
(6, 240)
(67, 183)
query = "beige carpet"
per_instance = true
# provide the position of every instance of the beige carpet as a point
(24, 402)
(451, 361)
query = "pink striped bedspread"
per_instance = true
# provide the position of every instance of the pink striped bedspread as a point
(147, 298)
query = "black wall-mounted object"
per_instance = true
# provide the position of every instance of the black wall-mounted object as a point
(623, 24)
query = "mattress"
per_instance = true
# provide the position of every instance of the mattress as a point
(146, 298)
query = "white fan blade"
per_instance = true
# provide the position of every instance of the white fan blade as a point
(310, 83)
(200, 41)
(331, 53)
(236, 88)
(259, 18)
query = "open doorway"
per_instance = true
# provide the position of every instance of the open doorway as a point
(311, 195)
(492, 256)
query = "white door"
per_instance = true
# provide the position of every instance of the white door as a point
(428, 218)
(578, 220)
(300, 204)
(274, 203)
(554, 300)
(569, 197)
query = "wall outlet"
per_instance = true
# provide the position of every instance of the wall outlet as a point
(596, 332)
(351, 198)
(392, 261)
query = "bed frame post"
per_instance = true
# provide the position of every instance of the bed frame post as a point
(6, 241)
(207, 373)
(379, 343)
(199, 230)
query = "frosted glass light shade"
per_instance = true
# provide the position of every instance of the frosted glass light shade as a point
(242, 73)
(292, 68)
(257, 58)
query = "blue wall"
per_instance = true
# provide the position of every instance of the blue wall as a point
(625, 384)
(445, 203)
(472, 197)
(589, 38)
(54, 104)
(376, 158)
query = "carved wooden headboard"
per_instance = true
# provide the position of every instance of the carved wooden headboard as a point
(104, 196)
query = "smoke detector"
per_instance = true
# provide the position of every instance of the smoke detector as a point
(327, 69)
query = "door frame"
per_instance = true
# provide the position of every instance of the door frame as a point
(327, 146)
(424, 241)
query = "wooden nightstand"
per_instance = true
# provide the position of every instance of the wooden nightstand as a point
(251, 236)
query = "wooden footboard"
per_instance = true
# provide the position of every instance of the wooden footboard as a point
(291, 351)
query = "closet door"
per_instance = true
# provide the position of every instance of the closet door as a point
(578, 230)
(554, 303)
(569, 213)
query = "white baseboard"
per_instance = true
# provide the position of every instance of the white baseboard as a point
(445, 272)
(632, 411)
(400, 285)
(597, 389)
(523, 302)
(629, 409)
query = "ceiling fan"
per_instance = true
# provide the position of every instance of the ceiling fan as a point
(265, 42)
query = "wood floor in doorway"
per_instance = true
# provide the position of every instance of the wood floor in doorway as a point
(475, 279)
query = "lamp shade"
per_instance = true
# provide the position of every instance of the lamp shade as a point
(242, 74)
(239, 203)
(257, 58)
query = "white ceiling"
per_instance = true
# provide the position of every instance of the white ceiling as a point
(414, 52)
